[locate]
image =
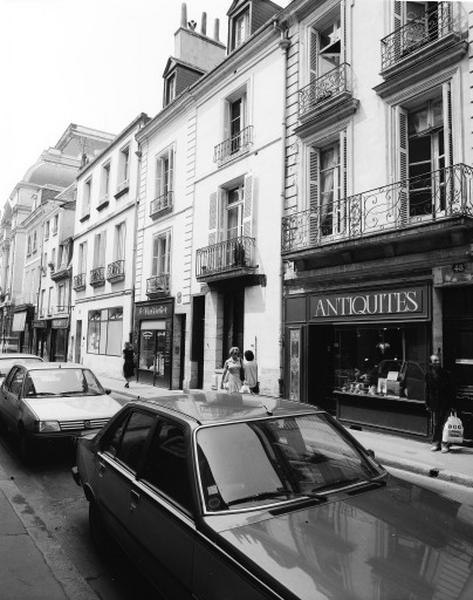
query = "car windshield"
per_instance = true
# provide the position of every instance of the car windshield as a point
(7, 363)
(275, 460)
(62, 382)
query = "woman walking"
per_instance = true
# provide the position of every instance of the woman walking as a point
(232, 371)
(128, 363)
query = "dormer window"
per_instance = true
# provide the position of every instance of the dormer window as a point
(240, 28)
(169, 89)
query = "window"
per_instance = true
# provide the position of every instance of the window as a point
(105, 184)
(15, 381)
(327, 188)
(61, 295)
(166, 466)
(161, 258)
(53, 259)
(240, 28)
(46, 230)
(325, 47)
(105, 331)
(99, 249)
(50, 297)
(133, 441)
(28, 246)
(87, 197)
(33, 249)
(164, 183)
(82, 262)
(55, 224)
(420, 22)
(169, 89)
(124, 165)
(119, 243)
(41, 305)
(234, 212)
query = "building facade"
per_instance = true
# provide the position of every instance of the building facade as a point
(104, 254)
(377, 229)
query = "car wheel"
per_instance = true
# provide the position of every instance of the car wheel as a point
(98, 531)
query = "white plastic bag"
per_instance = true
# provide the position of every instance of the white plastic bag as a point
(245, 389)
(453, 430)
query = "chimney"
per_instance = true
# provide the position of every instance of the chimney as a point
(216, 30)
(203, 28)
(184, 15)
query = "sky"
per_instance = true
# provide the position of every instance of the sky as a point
(97, 63)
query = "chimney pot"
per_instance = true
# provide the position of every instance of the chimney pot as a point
(204, 24)
(184, 15)
(216, 30)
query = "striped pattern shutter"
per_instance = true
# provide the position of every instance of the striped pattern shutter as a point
(450, 176)
(213, 219)
(343, 224)
(403, 149)
(314, 166)
(248, 206)
(397, 24)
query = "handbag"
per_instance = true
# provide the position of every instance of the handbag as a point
(452, 430)
(245, 389)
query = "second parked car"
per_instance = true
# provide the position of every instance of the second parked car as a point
(48, 401)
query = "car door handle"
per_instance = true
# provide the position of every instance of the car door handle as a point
(134, 499)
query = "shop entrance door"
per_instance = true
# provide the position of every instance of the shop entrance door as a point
(154, 356)
(320, 367)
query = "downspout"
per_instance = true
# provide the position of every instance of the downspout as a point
(284, 44)
(139, 154)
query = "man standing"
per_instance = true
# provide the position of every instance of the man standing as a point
(439, 399)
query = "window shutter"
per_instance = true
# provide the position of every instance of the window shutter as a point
(248, 206)
(167, 253)
(447, 123)
(159, 178)
(403, 168)
(314, 162)
(171, 170)
(342, 209)
(213, 219)
(398, 19)
(313, 53)
(102, 248)
(343, 29)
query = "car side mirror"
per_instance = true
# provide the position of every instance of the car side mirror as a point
(370, 453)
(107, 391)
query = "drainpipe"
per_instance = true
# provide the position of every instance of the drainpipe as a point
(284, 44)
(139, 154)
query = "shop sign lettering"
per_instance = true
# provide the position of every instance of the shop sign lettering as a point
(404, 303)
(158, 310)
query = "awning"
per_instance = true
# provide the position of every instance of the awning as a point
(19, 320)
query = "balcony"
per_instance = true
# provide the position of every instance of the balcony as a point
(161, 205)
(97, 277)
(79, 282)
(63, 272)
(158, 285)
(225, 260)
(422, 47)
(116, 271)
(414, 209)
(233, 147)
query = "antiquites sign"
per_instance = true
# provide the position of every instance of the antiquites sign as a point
(398, 304)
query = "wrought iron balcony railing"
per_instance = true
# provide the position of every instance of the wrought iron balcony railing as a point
(234, 146)
(420, 200)
(329, 85)
(116, 271)
(230, 255)
(436, 23)
(161, 204)
(62, 272)
(97, 276)
(158, 284)
(79, 282)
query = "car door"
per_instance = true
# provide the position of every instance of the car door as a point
(10, 396)
(119, 455)
(162, 508)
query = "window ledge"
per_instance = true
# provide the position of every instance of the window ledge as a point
(84, 218)
(103, 205)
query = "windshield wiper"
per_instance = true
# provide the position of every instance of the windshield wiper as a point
(260, 496)
(72, 393)
(354, 484)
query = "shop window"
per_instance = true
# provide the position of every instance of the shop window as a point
(383, 361)
(105, 331)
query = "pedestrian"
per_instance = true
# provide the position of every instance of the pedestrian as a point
(128, 363)
(232, 371)
(439, 400)
(250, 369)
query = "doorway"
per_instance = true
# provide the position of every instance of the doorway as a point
(154, 364)
(77, 350)
(197, 348)
(233, 320)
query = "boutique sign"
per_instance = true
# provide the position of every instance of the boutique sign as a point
(411, 303)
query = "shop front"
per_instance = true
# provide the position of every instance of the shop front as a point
(362, 355)
(21, 338)
(59, 337)
(41, 329)
(153, 341)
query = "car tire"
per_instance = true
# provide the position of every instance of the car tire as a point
(98, 530)
(26, 445)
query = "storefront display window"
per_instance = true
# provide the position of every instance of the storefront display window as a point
(381, 361)
(105, 331)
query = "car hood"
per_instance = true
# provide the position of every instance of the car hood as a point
(399, 541)
(65, 408)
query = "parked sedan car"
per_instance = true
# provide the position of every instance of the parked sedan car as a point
(9, 359)
(48, 401)
(222, 496)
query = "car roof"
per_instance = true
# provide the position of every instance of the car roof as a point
(205, 407)
(45, 366)
(13, 355)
